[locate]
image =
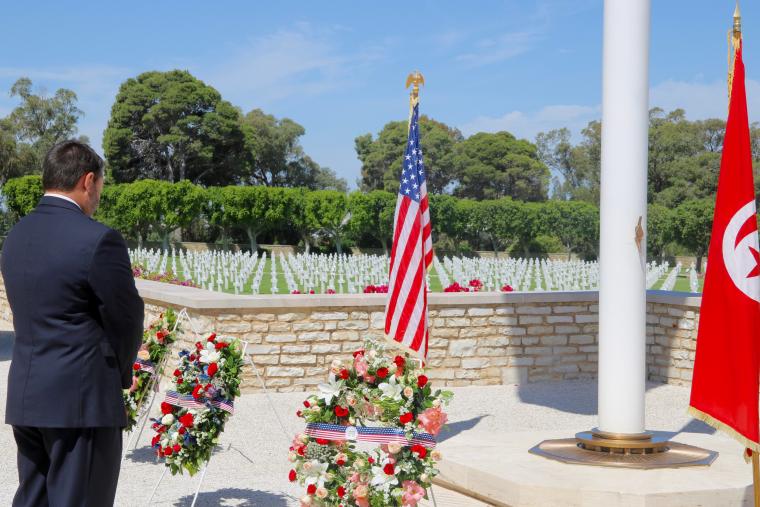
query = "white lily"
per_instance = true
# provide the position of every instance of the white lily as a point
(381, 479)
(210, 356)
(316, 473)
(391, 389)
(331, 389)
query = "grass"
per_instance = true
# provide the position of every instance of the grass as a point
(682, 282)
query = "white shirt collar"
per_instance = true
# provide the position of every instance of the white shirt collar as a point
(61, 196)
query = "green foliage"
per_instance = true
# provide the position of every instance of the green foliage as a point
(575, 223)
(490, 166)
(253, 209)
(276, 157)
(22, 194)
(171, 126)
(660, 229)
(693, 226)
(372, 216)
(382, 157)
(326, 211)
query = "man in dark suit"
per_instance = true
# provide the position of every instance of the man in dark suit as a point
(78, 321)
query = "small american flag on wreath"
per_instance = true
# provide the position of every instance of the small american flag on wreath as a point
(406, 319)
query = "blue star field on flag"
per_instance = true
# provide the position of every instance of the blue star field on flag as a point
(413, 170)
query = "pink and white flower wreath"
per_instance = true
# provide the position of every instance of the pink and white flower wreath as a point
(392, 396)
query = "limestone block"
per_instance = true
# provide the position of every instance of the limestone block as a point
(295, 349)
(462, 347)
(324, 348)
(554, 340)
(281, 337)
(539, 330)
(329, 316)
(534, 310)
(505, 310)
(581, 339)
(571, 309)
(559, 319)
(281, 371)
(298, 359)
(586, 319)
(345, 335)
(474, 362)
(502, 321)
(480, 312)
(451, 312)
(263, 349)
(457, 322)
(266, 317)
(531, 319)
(353, 324)
(313, 336)
(233, 327)
(290, 317)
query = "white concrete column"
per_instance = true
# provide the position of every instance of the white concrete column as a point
(622, 285)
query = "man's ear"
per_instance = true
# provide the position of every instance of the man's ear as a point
(88, 181)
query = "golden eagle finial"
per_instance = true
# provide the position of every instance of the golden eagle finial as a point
(415, 78)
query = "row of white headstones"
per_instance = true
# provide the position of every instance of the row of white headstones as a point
(241, 272)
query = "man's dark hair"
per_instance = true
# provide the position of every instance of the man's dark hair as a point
(66, 162)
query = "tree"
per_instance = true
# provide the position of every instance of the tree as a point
(575, 223)
(135, 209)
(382, 157)
(171, 126)
(177, 205)
(577, 167)
(501, 222)
(276, 157)
(490, 166)
(660, 225)
(22, 194)
(254, 209)
(693, 226)
(372, 215)
(34, 126)
(327, 212)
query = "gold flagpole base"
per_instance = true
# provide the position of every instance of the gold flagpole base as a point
(642, 451)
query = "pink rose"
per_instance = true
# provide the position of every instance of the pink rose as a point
(360, 365)
(412, 494)
(432, 419)
(133, 387)
(360, 495)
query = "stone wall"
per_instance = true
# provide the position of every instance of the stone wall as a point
(475, 339)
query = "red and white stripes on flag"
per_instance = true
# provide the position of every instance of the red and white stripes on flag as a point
(406, 319)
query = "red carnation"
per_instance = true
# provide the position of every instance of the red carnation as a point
(382, 372)
(212, 369)
(192, 357)
(221, 345)
(298, 413)
(179, 381)
(340, 462)
(399, 361)
(177, 448)
(292, 476)
(340, 411)
(406, 418)
(421, 381)
(186, 420)
(197, 391)
(136, 366)
(212, 337)
(160, 335)
(341, 491)
(166, 408)
(198, 345)
(311, 489)
(306, 403)
(168, 451)
(323, 441)
(344, 374)
(182, 430)
(420, 450)
(155, 440)
(177, 373)
(389, 469)
(358, 353)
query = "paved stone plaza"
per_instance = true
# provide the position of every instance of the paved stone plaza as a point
(250, 467)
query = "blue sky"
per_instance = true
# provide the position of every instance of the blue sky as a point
(338, 67)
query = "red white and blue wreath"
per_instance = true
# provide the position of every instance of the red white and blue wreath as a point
(194, 413)
(148, 365)
(375, 400)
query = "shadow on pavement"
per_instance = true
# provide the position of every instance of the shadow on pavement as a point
(6, 345)
(141, 455)
(576, 397)
(454, 429)
(236, 496)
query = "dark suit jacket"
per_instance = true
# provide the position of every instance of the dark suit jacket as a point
(77, 315)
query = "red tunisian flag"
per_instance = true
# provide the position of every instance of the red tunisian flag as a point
(724, 390)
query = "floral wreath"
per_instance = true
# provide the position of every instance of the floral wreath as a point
(372, 400)
(206, 383)
(148, 366)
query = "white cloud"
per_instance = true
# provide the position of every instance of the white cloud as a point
(297, 61)
(527, 124)
(497, 49)
(702, 100)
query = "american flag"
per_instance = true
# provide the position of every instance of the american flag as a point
(406, 319)
(187, 401)
(374, 435)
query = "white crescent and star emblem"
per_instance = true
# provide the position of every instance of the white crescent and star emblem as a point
(740, 251)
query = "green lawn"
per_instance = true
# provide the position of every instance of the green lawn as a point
(682, 283)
